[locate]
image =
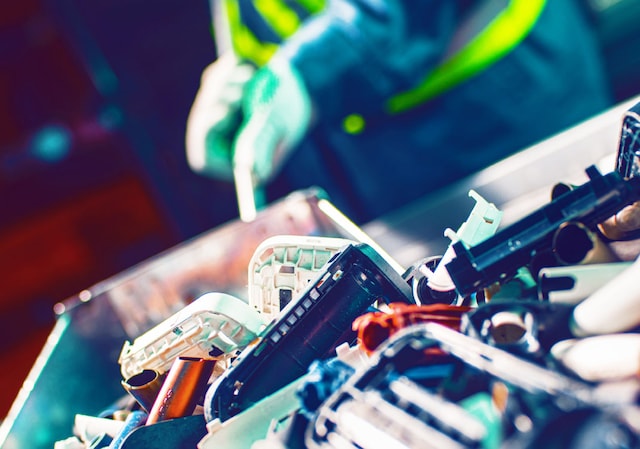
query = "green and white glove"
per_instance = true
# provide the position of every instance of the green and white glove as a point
(216, 116)
(277, 113)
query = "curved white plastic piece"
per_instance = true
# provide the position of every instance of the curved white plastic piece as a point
(600, 358)
(482, 223)
(213, 326)
(614, 307)
(283, 266)
(69, 443)
(87, 427)
(586, 279)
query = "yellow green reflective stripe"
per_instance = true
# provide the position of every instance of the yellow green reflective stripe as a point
(353, 124)
(313, 6)
(283, 20)
(245, 43)
(501, 36)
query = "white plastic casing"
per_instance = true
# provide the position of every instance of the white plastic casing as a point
(283, 266)
(215, 325)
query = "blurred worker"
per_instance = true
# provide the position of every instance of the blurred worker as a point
(380, 102)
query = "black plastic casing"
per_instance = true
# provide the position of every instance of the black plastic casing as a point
(309, 328)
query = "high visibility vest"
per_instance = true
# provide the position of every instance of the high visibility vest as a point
(277, 14)
(480, 42)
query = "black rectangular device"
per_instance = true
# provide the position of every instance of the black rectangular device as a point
(307, 329)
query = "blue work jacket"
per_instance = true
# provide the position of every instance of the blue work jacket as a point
(357, 54)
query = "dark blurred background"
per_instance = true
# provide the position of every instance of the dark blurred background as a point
(93, 103)
(94, 98)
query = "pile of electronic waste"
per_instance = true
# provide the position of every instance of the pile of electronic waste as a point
(518, 337)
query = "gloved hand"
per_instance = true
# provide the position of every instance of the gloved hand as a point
(277, 114)
(216, 116)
